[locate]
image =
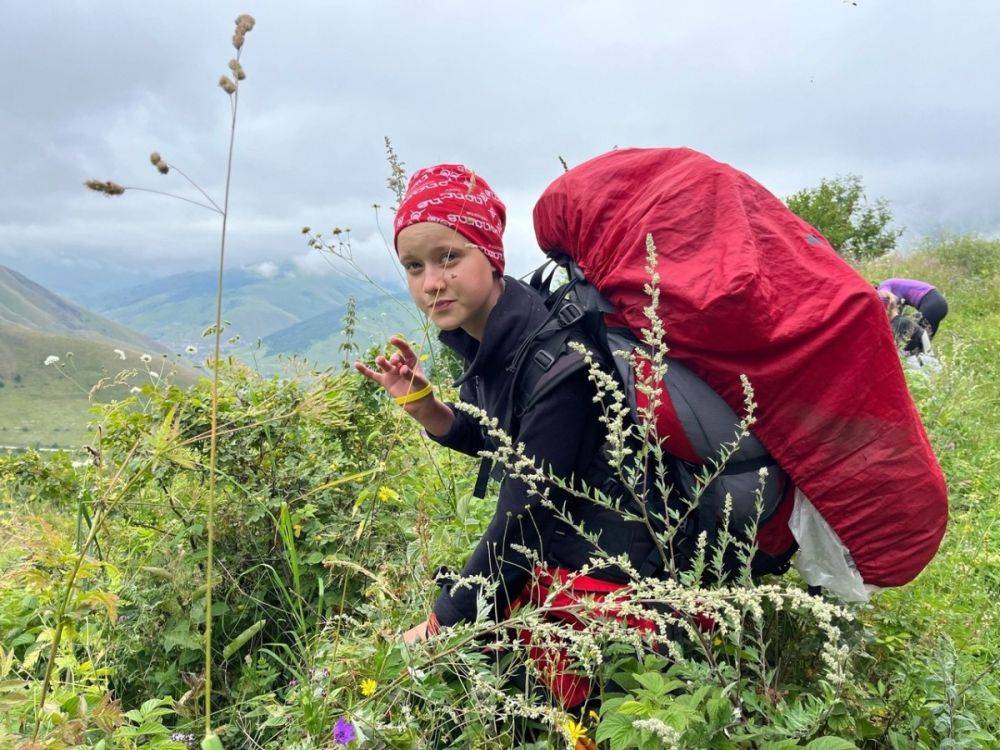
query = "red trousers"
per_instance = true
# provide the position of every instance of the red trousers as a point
(569, 689)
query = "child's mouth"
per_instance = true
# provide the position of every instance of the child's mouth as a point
(443, 304)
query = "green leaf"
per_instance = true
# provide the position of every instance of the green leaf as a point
(719, 710)
(653, 682)
(211, 742)
(616, 728)
(831, 743)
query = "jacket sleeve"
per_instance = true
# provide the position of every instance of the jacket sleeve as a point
(552, 433)
(465, 435)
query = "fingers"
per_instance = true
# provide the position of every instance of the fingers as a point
(404, 347)
(368, 372)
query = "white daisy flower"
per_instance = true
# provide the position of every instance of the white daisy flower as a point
(190, 349)
(154, 375)
(135, 390)
(51, 360)
(146, 358)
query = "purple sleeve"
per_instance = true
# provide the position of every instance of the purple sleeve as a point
(910, 291)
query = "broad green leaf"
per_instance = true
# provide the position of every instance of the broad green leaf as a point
(831, 743)
(211, 741)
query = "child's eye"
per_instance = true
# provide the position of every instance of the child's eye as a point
(411, 268)
(448, 259)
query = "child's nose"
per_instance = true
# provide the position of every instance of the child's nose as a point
(433, 280)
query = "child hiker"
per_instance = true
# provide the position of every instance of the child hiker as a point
(448, 235)
(928, 301)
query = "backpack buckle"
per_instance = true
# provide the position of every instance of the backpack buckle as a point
(569, 314)
(543, 359)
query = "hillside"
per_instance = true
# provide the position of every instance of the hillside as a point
(319, 337)
(29, 305)
(49, 405)
(175, 310)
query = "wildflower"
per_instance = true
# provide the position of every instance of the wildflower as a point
(343, 732)
(135, 390)
(109, 188)
(423, 358)
(51, 360)
(386, 494)
(227, 85)
(120, 353)
(573, 732)
(368, 687)
(69, 355)
(191, 349)
(246, 21)
(154, 375)
(306, 230)
(666, 734)
(146, 358)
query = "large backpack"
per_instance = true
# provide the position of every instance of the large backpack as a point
(694, 425)
(748, 288)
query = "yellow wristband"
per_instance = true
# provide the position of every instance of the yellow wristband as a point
(415, 396)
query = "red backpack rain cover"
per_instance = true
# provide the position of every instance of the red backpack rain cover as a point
(748, 287)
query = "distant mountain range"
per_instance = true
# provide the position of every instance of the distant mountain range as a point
(29, 305)
(290, 313)
(277, 317)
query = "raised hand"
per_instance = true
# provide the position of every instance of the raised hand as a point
(400, 373)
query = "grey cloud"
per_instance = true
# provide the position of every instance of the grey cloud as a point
(897, 92)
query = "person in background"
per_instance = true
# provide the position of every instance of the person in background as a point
(928, 301)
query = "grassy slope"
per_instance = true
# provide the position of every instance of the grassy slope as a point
(49, 405)
(957, 594)
(25, 303)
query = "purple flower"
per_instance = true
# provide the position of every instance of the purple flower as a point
(343, 732)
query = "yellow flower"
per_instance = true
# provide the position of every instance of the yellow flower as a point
(386, 494)
(368, 687)
(594, 716)
(423, 357)
(574, 732)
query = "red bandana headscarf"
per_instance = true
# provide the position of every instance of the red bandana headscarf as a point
(453, 195)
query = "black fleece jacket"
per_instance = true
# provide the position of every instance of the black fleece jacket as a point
(561, 431)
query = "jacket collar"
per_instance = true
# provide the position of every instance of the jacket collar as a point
(514, 317)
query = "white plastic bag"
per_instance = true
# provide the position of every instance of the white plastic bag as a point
(822, 559)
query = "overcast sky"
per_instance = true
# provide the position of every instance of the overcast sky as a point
(903, 93)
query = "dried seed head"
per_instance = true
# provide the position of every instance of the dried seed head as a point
(227, 85)
(108, 188)
(238, 37)
(305, 230)
(162, 167)
(234, 65)
(155, 158)
(246, 21)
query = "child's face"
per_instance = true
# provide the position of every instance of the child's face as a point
(449, 278)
